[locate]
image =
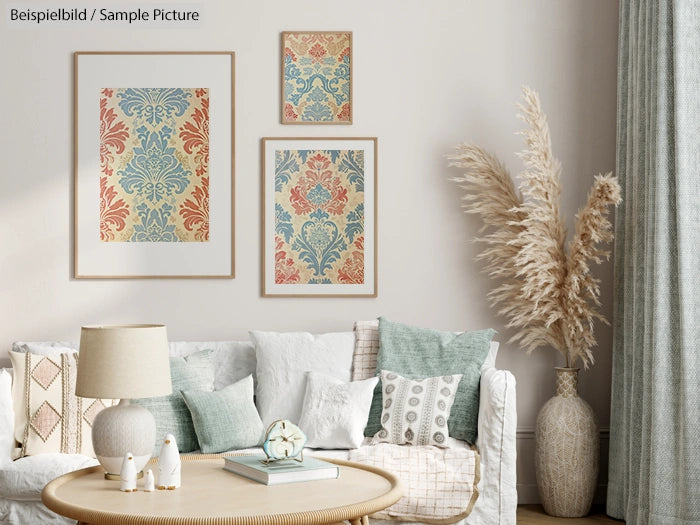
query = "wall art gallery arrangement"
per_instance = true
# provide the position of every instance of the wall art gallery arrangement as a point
(154, 171)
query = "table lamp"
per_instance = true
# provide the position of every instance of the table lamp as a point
(123, 362)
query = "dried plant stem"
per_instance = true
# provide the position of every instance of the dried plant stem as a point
(549, 296)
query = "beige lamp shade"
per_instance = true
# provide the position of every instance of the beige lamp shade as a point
(123, 362)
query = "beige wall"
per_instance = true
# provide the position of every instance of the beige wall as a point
(428, 75)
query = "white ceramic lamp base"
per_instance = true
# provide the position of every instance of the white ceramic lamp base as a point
(121, 429)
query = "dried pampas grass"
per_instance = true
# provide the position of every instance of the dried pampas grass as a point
(544, 290)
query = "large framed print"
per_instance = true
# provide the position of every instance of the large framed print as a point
(154, 164)
(319, 217)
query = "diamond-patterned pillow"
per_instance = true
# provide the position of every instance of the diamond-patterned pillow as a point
(49, 417)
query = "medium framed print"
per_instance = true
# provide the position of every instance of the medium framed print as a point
(154, 165)
(319, 217)
(316, 77)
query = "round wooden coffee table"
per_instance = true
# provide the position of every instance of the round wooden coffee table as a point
(212, 496)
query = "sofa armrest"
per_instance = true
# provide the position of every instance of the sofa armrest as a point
(7, 418)
(498, 497)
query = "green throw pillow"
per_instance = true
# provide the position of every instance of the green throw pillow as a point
(225, 419)
(192, 372)
(417, 353)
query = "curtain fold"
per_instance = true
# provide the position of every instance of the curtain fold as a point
(654, 469)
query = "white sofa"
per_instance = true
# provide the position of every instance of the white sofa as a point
(22, 480)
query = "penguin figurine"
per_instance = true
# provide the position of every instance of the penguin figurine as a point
(169, 464)
(148, 481)
(127, 475)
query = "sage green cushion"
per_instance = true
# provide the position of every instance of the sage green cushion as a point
(418, 353)
(192, 372)
(225, 419)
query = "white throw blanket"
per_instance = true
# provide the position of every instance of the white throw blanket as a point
(439, 483)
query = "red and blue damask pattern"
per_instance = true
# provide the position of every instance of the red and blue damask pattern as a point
(319, 217)
(316, 84)
(154, 165)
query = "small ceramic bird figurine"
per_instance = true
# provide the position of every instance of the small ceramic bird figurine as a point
(127, 475)
(149, 482)
(169, 464)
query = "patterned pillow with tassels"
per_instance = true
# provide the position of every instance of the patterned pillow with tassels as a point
(49, 417)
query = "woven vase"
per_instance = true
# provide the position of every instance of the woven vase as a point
(566, 450)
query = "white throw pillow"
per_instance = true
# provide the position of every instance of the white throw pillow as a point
(415, 412)
(334, 413)
(231, 360)
(282, 362)
(47, 348)
(7, 418)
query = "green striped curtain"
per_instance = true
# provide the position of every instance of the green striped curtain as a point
(654, 470)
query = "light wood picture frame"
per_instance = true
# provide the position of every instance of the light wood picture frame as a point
(316, 77)
(154, 173)
(319, 217)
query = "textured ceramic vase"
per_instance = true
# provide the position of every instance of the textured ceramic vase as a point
(120, 429)
(566, 450)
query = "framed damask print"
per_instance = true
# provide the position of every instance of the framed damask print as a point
(316, 77)
(154, 165)
(319, 217)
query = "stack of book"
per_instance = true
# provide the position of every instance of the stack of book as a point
(286, 471)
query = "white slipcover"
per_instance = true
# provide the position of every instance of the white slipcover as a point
(21, 481)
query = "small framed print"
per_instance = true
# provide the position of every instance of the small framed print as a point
(319, 217)
(316, 77)
(154, 168)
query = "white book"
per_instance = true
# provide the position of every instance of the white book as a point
(277, 472)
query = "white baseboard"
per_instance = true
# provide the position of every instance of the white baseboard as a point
(527, 484)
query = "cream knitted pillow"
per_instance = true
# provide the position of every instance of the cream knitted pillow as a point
(49, 417)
